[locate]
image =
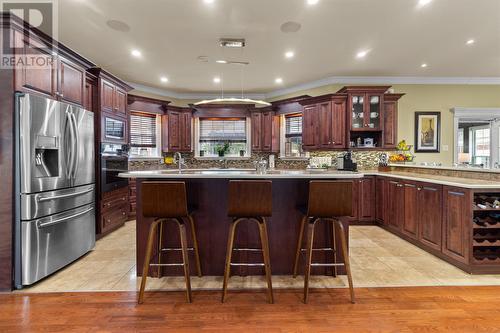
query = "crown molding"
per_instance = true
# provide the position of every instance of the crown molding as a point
(390, 80)
(347, 80)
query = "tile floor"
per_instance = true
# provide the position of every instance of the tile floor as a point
(111, 266)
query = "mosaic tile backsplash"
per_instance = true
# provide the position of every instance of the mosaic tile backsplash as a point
(365, 160)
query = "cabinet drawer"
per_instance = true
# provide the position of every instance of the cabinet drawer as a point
(113, 218)
(114, 198)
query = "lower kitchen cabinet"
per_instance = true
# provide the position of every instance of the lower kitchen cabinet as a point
(430, 209)
(366, 210)
(411, 208)
(457, 226)
(132, 187)
(395, 205)
(381, 200)
(114, 210)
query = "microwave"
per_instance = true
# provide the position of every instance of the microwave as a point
(114, 129)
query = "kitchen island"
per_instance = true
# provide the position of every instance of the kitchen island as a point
(207, 191)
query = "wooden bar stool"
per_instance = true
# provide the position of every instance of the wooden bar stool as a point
(249, 200)
(328, 200)
(166, 201)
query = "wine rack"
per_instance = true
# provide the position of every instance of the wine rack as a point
(486, 228)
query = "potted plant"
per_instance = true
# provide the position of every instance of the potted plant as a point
(222, 149)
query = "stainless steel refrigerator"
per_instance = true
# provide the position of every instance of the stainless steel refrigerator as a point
(55, 186)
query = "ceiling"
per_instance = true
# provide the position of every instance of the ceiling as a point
(400, 36)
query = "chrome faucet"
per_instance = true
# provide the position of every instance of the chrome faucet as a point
(179, 160)
(224, 163)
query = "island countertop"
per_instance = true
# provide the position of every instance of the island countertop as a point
(308, 174)
(241, 174)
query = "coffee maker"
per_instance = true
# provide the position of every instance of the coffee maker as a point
(346, 163)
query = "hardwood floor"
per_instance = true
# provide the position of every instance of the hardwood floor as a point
(420, 309)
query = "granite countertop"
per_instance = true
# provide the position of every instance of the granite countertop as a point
(242, 174)
(436, 179)
(309, 174)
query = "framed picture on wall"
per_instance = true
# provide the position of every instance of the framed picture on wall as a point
(427, 132)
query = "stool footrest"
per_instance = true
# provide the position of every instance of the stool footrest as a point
(245, 264)
(248, 250)
(162, 265)
(177, 249)
(320, 249)
(326, 265)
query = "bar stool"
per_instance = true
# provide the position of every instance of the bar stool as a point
(328, 200)
(249, 200)
(167, 202)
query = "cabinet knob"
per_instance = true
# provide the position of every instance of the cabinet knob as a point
(420, 189)
(108, 220)
(123, 213)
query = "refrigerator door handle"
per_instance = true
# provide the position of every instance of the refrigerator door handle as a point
(48, 224)
(62, 196)
(70, 151)
(76, 149)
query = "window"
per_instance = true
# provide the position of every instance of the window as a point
(292, 140)
(144, 135)
(214, 133)
(480, 145)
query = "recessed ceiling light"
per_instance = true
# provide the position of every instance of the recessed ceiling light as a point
(278, 80)
(470, 42)
(312, 2)
(424, 65)
(208, 1)
(164, 79)
(221, 61)
(136, 53)
(216, 79)
(422, 3)
(362, 54)
(289, 54)
(290, 27)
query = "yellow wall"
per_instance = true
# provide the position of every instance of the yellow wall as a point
(418, 98)
(429, 98)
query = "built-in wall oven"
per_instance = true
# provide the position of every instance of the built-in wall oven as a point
(114, 160)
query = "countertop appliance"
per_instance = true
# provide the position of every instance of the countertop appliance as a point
(347, 163)
(55, 186)
(114, 160)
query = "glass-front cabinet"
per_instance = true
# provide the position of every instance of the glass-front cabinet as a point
(366, 112)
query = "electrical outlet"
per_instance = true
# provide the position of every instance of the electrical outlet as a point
(446, 148)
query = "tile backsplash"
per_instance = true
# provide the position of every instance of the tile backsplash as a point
(365, 160)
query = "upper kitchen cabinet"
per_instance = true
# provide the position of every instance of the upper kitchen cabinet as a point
(323, 124)
(56, 73)
(111, 106)
(177, 130)
(265, 131)
(372, 122)
(390, 120)
(90, 92)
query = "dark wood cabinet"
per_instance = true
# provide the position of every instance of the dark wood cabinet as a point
(411, 207)
(114, 210)
(113, 99)
(90, 93)
(457, 219)
(395, 204)
(381, 199)
(71, 82)
(390, 120)
(310, 127)
(366, 210)
(430, 210)
(132, 197)
(177, 130)
(55, 77)
(323, 123)
(265, 129)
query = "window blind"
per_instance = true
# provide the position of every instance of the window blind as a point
(223, 130)
(293, 125)
(142, 130)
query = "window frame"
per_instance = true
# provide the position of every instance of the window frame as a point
(152, 152)
(248, 146)
(283, 137)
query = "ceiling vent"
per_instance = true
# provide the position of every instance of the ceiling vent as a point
(232, 42)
